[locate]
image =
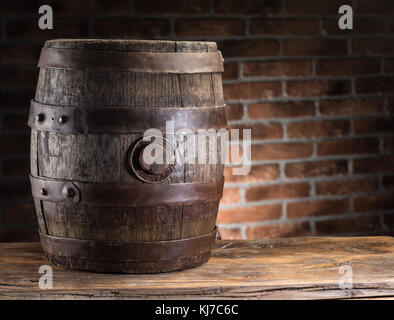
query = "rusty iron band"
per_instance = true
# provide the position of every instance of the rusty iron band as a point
(124, 195)
(147, 62)
(114, 251)
(123, 120)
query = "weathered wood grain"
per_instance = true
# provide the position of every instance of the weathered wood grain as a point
(294, 268)
(101, 158)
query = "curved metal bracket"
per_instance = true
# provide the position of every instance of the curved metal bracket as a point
(125, 195)
(55, 190)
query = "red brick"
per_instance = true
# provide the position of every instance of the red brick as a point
(230, 233)
(340, 187)
(278, 151)
(348, 146)
(19, 214)
(316, 168)
(19, 234)
(284, 26)
(305, 7)
(390, 106)
(14, 145)
(248, 48)
(62, 28)
(230, 71)
(19, 53)
(314, 47)
(388, 144)
(316, 208)
(361, 25)
(209, 27)
(90, 7)
(347, 67)
(388, 220)
(18, 76)
(291, 109)
(313, 88)
(277, 191)
(251, 90)
(369, 25)
(239, 7)
(377, 6)
(257, 173)
(388, 182)
(340, 107)
(298, 229)
(374, 203)
(388, 65)
(16, 167)
(8, 7)
(65, 7)
(15, 123)
(382, 84)
(230, 196)
(16, 97)
(12, 190)
(283, 68)
(185, 7)
(371, 125)
(372, 45)
(250, 214)
(261, 131)
(347, 225)
(132, 27)
(235, 111)
(313, 129)
(374, 165)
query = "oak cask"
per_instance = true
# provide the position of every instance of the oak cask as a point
(100, 207)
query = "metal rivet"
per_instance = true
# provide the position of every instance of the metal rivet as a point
(69, 192)
(40, 117)
(43, 192)
(62, 119)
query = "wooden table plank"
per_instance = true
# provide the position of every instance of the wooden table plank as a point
(293, 268)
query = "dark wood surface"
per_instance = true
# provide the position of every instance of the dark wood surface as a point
(295, 268)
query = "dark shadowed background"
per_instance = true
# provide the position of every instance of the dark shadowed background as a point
(319, 100)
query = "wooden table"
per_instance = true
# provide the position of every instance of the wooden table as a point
(296, 268)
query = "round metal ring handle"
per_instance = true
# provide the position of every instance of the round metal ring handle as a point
(139, 159)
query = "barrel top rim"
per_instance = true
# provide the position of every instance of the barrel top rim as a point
(92, 40)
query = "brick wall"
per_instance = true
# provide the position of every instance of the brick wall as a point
(320, 102)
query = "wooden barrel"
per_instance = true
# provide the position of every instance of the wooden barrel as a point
(100, 206)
